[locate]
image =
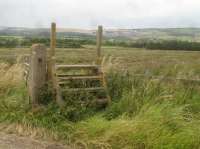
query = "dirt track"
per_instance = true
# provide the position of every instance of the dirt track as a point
(12, 141)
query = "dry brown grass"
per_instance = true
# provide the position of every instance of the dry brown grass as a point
(10, 76)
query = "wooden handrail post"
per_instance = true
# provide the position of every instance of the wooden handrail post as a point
(99, 43)
(51, 59)
(53, 39)
(37, 74)
(52, 78)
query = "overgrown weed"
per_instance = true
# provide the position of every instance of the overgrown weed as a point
(145, 113)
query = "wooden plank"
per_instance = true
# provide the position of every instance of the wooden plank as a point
(93, 89)
(62, 83)
(81, 78)
(102, 101)
(11, 56)
(73, 75)
(177, 79)
(190, 80)
(167, 78)
(77, 66)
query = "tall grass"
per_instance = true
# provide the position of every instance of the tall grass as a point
(147, 114)
(144, 113)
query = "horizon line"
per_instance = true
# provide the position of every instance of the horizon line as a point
(106, 28)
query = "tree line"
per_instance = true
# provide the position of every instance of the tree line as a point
(12, 42)
(158, 44)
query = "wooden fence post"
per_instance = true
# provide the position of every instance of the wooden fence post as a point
(98, 43)
(37, 75)
(51, 58)
(52, 78)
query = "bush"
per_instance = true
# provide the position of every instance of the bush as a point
(11, 42)
(158, 44)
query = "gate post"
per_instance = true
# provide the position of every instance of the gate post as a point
(38, 71)
(99, 42)
(51, 59)
(51, 69)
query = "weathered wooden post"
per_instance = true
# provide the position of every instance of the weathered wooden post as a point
(37, 75)
(98, 43)
(51, 58)
(52, 78)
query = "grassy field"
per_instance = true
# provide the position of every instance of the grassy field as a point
(144, 113)
(152, 62)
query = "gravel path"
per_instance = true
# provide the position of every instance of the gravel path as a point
(12, 141)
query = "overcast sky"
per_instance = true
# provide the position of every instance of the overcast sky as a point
(110, 13)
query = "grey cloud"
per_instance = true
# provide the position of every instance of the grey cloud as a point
(110, 13)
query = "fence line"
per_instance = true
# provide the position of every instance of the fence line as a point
(14, 56)
(167, 78)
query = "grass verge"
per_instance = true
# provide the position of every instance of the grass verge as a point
(144, 113)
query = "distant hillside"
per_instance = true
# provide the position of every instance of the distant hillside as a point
(191, 34)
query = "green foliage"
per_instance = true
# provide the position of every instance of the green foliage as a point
(158, 44)
(151, 114)
(144, 113)
(11, 42)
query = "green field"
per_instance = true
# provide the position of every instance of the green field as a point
(144, 113)
(156, 62)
